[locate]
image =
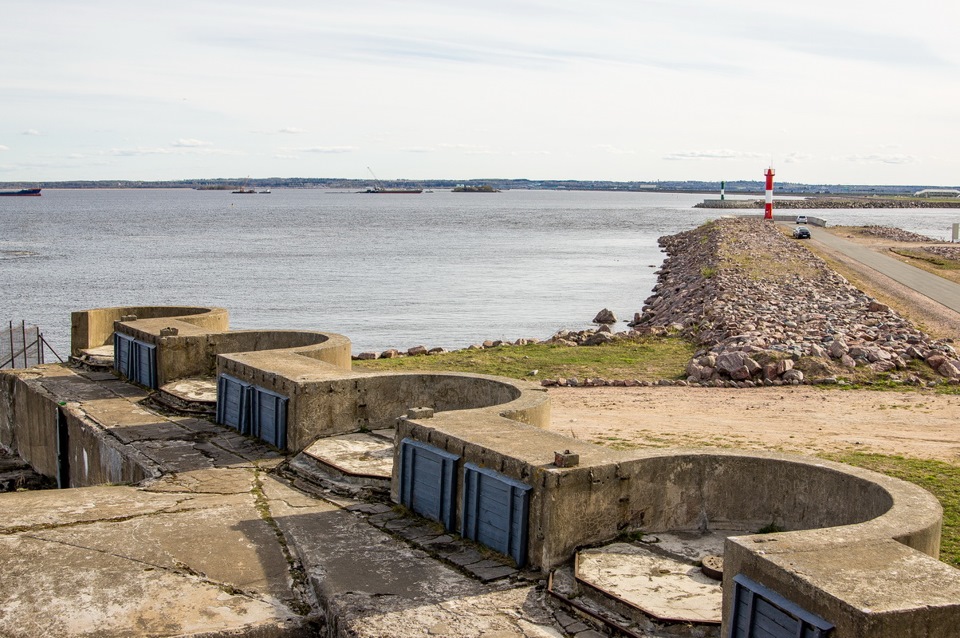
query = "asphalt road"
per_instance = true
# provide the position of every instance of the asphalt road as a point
(927, 284)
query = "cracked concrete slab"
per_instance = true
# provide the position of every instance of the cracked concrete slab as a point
(233, 480)
(32, 510)
(346, 556)
(512, 613)
(663, 586)
(85, 592)
(221, 539)
(358, 453)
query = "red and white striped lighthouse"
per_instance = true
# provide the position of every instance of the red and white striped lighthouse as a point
(768, 195)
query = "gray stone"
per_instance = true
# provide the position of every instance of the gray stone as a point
(605, 316)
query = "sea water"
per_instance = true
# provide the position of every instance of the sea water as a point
(435, 269)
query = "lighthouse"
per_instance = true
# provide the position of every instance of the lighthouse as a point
(768, 195)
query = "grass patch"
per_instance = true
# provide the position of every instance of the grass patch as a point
(928, 258)
(644, 359)
(939, 478)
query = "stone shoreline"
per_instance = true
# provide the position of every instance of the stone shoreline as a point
(765, 311)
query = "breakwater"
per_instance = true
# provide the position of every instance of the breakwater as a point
(767, 311)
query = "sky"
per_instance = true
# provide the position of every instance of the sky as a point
(833, 92)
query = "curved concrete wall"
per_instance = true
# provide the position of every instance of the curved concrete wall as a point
(740, 491)
(610, 492)
(193, 352)
(326, 402)
(94, 328)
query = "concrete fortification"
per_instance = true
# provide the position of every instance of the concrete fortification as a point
(181, 526)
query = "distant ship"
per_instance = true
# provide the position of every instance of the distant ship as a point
(381, 190)
(243, 190)
(24, 192)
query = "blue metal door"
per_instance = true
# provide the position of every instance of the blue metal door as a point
(145, 358)
(233, 399)
(268, 419)
(760, 612)
(123, 354)
(495, 511)
(135, 359)
(428, 481)
(252, 410)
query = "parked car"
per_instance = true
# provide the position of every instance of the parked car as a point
(801, 232)
(802, 219)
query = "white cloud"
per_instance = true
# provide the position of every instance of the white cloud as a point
(30, 131)
(176, 149)
(325, 149)
(882, 158)
(137, 152)
(4, 148)
(468, 149)
(416, 149)
(610, 148)
(291, 130)
(796, 158)
(722, 154)
(189, 143)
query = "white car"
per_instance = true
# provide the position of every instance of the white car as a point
(801, 219)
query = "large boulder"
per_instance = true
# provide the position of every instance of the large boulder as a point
(605, 316)
(737, 365)
(950, 369)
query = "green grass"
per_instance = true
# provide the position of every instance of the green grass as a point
(927, 257)
(939, 478)
(644, 359)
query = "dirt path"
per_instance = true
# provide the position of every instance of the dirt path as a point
(796, 419)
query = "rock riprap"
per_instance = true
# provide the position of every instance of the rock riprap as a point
(768, 311)
(894, 234)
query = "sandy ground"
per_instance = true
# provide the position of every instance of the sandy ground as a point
(790, 419)
(795, 419)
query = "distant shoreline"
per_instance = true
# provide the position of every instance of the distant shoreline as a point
(820, 203)
(733, 188)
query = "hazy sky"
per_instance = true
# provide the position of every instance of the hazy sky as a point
(844, 91)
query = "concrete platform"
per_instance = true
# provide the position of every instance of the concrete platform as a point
(195, 396)
(660, 584)
(100, 357)
(367, 454)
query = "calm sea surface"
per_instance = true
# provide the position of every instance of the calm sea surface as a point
(436, 269)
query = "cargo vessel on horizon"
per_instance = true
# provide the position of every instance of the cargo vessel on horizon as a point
(379, 188)
(23, 192)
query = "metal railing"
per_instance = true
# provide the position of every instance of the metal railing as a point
(23, 346)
